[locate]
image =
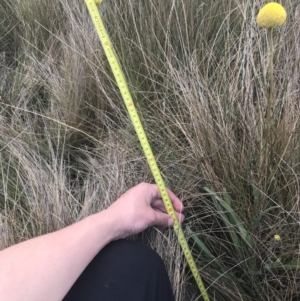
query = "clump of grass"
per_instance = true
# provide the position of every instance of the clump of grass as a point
(198, 74)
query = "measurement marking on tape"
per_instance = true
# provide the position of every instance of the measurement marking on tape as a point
(122, 84)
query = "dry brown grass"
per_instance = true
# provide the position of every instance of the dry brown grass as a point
(198, 72)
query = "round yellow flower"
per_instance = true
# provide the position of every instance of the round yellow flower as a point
(277, 237)
(271, 15)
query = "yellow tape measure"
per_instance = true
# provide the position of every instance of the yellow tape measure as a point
(122, 84)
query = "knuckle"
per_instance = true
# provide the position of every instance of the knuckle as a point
(144, 185)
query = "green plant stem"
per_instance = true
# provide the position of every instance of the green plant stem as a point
(271, 73)
(267, 137)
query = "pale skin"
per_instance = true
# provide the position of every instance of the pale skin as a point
(46, 267)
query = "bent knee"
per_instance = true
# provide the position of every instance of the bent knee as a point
(129, 253)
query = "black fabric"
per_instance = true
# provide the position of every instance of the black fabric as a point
(123, 271)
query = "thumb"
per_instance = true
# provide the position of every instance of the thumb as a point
(163, 219)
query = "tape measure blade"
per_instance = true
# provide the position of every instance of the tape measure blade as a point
(123, 87)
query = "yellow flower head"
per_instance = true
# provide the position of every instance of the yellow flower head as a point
(277, 237)
(271, 15)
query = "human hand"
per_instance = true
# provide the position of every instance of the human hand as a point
(141, 207)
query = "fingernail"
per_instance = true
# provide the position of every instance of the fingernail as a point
(170, 222)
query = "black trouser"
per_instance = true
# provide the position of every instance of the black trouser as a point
(123, 271)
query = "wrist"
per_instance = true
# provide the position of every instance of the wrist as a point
(107, 225)
(102, 228)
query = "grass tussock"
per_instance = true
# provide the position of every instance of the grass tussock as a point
(198, 73)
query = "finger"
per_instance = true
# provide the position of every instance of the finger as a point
(177, 204)
(155, 193)
(180, 217)
(158, 204)
(163, 219)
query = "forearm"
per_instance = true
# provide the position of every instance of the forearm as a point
(45, 268)
(59, 259)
